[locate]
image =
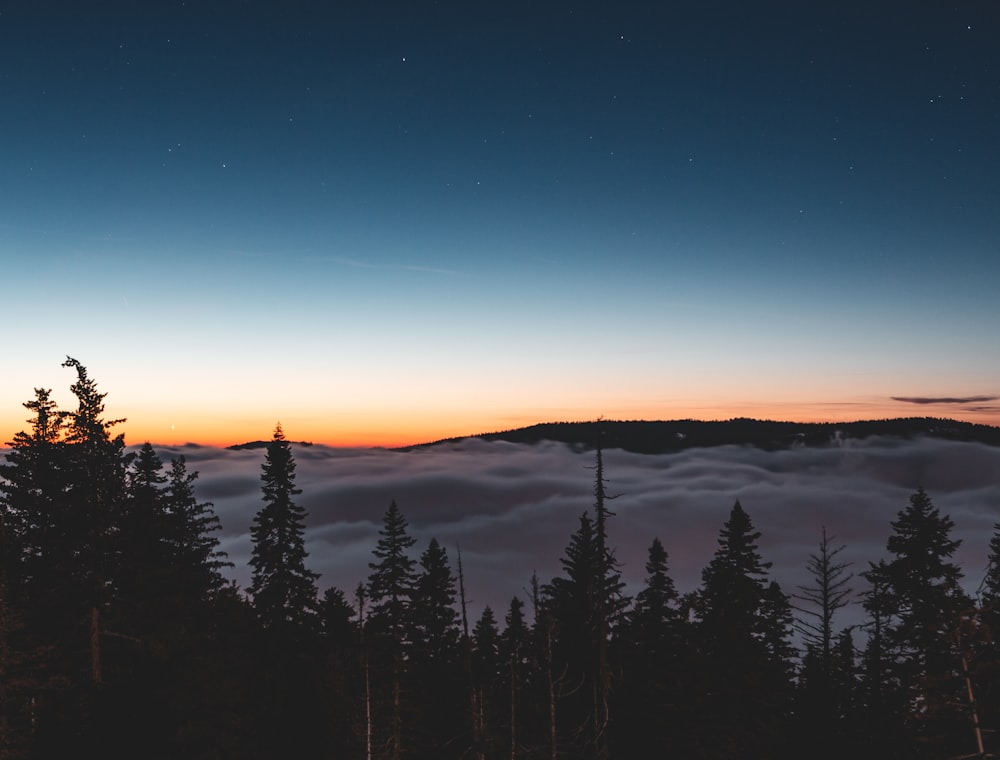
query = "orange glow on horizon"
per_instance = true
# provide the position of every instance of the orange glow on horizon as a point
(391, 434)
(392, 428)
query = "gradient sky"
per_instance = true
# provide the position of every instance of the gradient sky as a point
(383, 223)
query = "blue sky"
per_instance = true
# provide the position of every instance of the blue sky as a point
(390, 222)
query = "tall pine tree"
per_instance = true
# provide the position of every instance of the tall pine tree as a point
(925, 604)
(283, 589)
(737, 618)
(390, 591)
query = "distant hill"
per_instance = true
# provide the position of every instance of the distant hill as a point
(661, 437)
(262, 445)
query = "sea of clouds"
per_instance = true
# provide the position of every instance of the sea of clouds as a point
(511, 508)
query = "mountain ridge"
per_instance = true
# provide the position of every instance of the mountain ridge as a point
(665, 436)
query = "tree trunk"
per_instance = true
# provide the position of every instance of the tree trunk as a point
(95, 645)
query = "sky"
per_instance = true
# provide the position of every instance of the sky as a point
(382, 223)
(511, 508)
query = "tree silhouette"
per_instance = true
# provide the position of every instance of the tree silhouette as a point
(656, 682)
(820, 693)
(736, 663)
(434, 668)
(925, 602)
(283, 590)
(390, 590)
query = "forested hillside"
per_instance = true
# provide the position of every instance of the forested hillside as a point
(121, 637)
(658, 437)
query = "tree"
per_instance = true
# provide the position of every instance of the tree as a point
(390, 590)
(289, 715)
(435, 621)
(655, 683)
(654, 617)
(485, 680)
(883, 710)
(819, 695)
(733, 584)
(514, 657)
(31, 489)
(390, 584)
(925, 603)
(736, 618)
(984, 641)
(283, 590)
(195, 552)
(96, 486)
(343, 680)
(827, 594)
(146, 582)
(588, 604)
(434, 668)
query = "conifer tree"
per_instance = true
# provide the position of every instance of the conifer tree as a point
(147, 566)
(434, 669)
(733, 583)
(485, 679)
(31, 491)
(882, 703)
(390, 584)
(926, 603)
(390, 590)
(654, 684)
(195, 551)
(515, 661)
(985, 644)
(283, 589)
(96, 484)
(434, 619)
(588, 604)
(654, 617)
(735, 662)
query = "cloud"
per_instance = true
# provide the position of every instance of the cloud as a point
(512, 508)
(923, 400)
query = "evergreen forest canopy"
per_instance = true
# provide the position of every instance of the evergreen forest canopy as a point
(661, 437)
(121, 637)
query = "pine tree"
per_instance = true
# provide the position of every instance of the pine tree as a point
(485, 680)
(588, 605)
(390, 589)
(654, 617)
(733, 584)
(985, 643)
(434, 670)
(96, 486)
(31, 490)
(390, 584)
(735, 661)
(776, 631)
(514, 648)
(434, 618)
(882, 705)
(926, 603)
(342, 678)
(147, 569)
(69, 490)
(195, 551)
(283, 590)
(654, 687)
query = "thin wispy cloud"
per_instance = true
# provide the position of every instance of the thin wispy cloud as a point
(928, 400)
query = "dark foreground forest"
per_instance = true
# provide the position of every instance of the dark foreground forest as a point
(120, 636)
